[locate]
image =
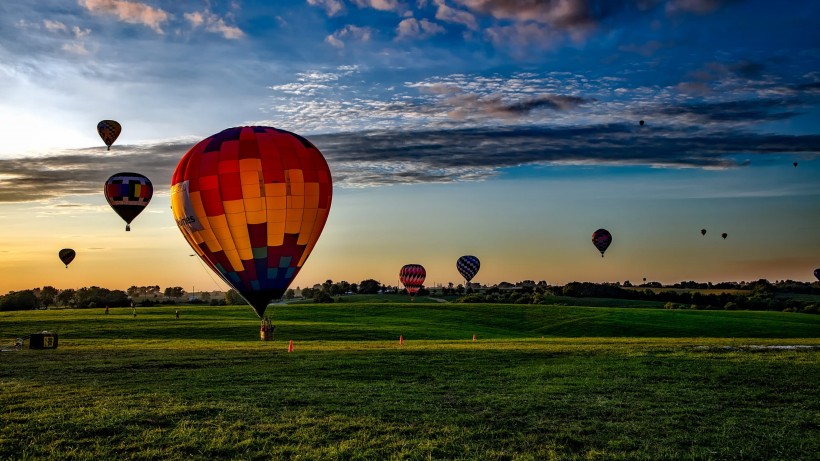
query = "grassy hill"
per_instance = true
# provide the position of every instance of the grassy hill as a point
(604, 383)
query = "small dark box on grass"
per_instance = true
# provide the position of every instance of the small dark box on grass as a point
(43, 340)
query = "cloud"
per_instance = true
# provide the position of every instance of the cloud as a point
(54, 26)
(412, 28)
(213, 23)
(362, 34)
(382, 157)
(129, 12)
(447, 14)
(381, 5)
(468, 105)
(331, 7)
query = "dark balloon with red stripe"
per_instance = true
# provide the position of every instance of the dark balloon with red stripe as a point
(128, 194)
(601, 238)
(67, 255)
(412, 277)
(252, 201)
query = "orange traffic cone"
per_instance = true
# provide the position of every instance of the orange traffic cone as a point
(401, 340)
(473, 336)
(290, 346)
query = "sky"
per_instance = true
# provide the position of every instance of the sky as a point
(504, 129)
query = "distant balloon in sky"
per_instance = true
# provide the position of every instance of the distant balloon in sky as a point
(468, 267)
(601, 238)
(817, 273)
(795, 164)
(412, 277)
(128, 194)
(703, 232)
(641, 122)
(724, 235)
(252, 201)
(66, 256)
(109, 131)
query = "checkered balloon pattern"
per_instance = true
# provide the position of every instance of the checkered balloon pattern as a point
(468, 267)
(601, 238)
(252, 201)
(412, 277)
(128, 194)
(109, 131)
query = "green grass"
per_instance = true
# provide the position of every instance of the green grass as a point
(604, 383)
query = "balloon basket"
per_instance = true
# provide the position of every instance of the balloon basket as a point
(266, 330)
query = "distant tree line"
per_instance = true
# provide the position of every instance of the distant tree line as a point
(757, 295)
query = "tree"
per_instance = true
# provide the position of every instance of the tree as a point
(369, 287)
(290, 294)
(232, 298)
(65, 297)
(47, 295)
(174, 292)
(19, 301)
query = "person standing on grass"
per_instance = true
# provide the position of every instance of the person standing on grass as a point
(106, 310)
(134, 310)
(177, 312)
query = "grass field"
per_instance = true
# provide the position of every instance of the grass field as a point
(603, 383)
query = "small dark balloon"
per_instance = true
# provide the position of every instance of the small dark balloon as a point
(724, 235)
(641, 122)
(66, 256)
(795, 164)
(703, 232)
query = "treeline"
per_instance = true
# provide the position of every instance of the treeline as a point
(83, 298)
(758, 295)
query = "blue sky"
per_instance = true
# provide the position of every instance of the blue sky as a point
(505, 129)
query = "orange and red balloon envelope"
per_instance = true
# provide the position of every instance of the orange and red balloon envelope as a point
(252, 201)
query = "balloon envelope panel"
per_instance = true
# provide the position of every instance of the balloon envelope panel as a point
(128, 194)
(252, 202)
(601, 238)
(67, 255)
(109, 131)
(468, 266)
(412, 277)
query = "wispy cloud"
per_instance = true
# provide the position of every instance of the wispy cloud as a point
(129, 12)
(361, 34)
(412, 28)
(213, 23)
(331, 7)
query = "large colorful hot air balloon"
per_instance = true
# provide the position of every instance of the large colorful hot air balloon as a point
(817, 273)
(252, 201)
(601, 238)
(66, 256)
(109, 131)
(468, 267)
(128, 194)
(412, 277)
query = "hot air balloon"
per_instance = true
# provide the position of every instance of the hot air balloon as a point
(109, 131)
(601, 238)
(703, 232)
(412, 277)
(468, 267)
(724, 235)
(817, 273)
(641, 122)
(66, 256)
(128, 194)
(795, 164)
(252, 201)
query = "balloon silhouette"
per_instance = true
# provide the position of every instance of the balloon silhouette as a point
(66, 256)
(128, 194)
(601, 238)
(252, 201)
(724, 235)
(795, 164)
(703, 232)
(641, 122)
(817, 273)
(468, 267)
(109, 131)
(412, 277)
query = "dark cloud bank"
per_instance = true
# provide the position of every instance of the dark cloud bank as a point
(374, 158)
